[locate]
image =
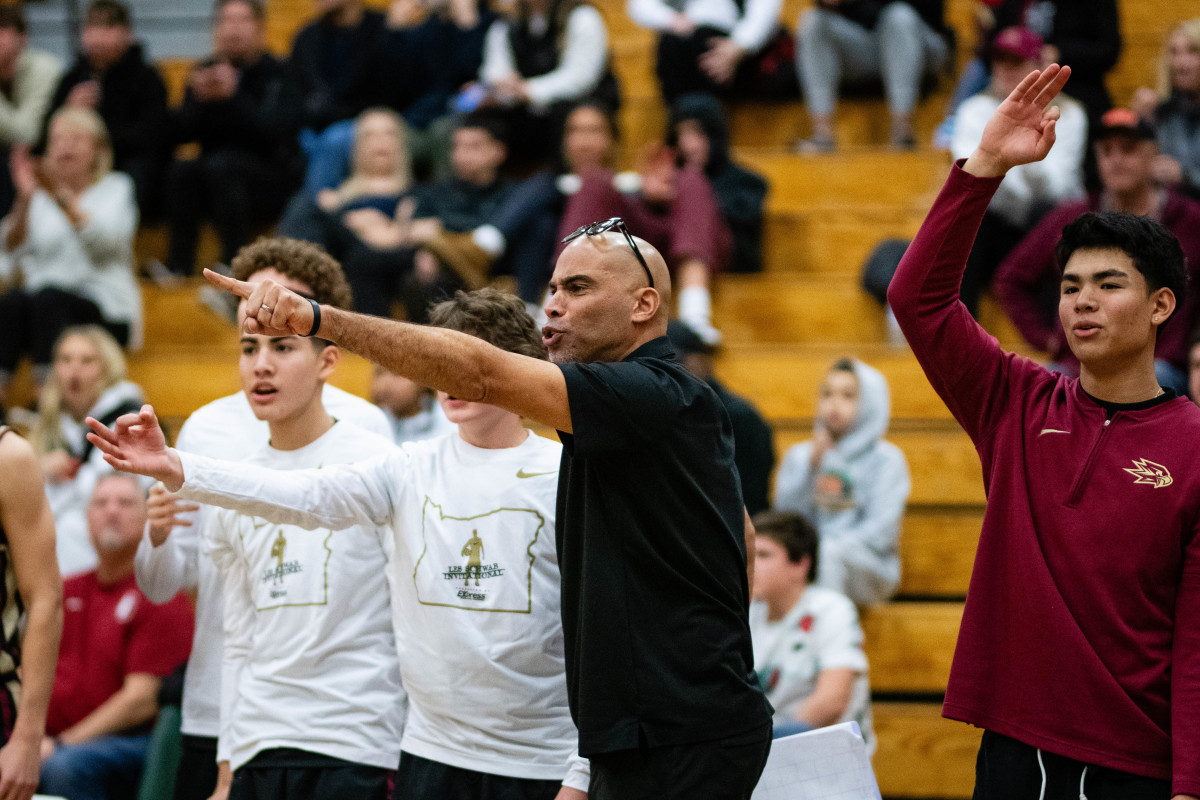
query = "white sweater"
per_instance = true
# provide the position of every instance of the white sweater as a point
(749, 30)
(475, 584)
(580, 67)
(94, 262)
(225, 428)
(310, 656)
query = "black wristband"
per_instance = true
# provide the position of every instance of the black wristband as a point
(316, 317)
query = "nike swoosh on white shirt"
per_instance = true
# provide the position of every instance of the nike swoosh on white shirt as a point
(521, 473)
(1051, 430)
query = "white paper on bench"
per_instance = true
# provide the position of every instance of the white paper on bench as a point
(826, 764)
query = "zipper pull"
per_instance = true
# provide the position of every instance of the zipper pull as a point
(1106, 422)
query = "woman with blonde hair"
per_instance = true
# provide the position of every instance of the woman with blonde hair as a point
(87, 378)
(1175, 109)
(66, 248)
(380, 178)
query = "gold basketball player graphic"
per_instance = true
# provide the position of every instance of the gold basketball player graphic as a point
(473, 550)
(278, 548)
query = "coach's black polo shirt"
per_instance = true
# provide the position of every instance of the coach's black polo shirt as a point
(651, 543)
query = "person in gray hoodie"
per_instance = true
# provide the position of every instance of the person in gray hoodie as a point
(851, 483)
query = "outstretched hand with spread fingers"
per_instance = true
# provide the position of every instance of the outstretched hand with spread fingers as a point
(136, 443)
(1021, 129)
(269, 308)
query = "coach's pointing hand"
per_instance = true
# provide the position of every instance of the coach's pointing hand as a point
(269, 308)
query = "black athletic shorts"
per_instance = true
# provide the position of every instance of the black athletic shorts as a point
(290, 774)
(1007, 769)
(422, 779)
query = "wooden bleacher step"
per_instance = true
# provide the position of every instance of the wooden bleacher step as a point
(782, 379)
(922, 755)
(831, 242)
(847, 181)
(910, 645)
(937, 551)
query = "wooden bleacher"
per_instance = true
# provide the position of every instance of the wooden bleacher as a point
(783, 328)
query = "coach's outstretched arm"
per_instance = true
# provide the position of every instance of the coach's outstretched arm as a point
(459, 364)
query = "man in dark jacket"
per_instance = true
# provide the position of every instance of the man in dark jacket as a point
(243, 108)
(753, 447)
(111, 76)
(700, 133)
(334, 60)
(427, 52)
(1083, 33)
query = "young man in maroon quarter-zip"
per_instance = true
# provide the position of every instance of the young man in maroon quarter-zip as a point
(1079, 651)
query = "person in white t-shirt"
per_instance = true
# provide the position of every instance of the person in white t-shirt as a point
(169, 558)
(483, 664)
(808, 645)
(311, 701)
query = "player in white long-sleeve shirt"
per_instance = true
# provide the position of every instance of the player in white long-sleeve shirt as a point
(167, 564)
(474, 572)
(310, 680)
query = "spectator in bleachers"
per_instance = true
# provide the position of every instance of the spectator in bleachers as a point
(31, 618)
(334, 60)
(243, 107)
(380, 179)
(901, 42)
(1028, 191)
(722, 47)
(1175, 107)
(1083, 33)
(112, 77)
(537, 63)
(27, 81)
(1027, 283)
(428, 51)
(808, 644)
(116, 648)
(1086, 34)
(87, 379)
(753, 447)
(675, 208)
(173, 558)
(400, 248)
(852, 483)
(70, 238)
(698, 131)
(521, 237)
(412, 409)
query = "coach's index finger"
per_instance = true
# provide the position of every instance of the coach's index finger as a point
(228, 284)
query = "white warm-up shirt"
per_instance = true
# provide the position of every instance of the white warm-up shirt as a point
(310, 657)
(476, 588)
(225, 428)
(820, 632)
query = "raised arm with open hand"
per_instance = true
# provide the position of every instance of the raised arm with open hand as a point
(1021, 130)
(136, 443)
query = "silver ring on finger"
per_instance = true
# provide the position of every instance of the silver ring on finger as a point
(265, 308)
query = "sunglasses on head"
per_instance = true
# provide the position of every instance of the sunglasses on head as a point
(597, 228)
